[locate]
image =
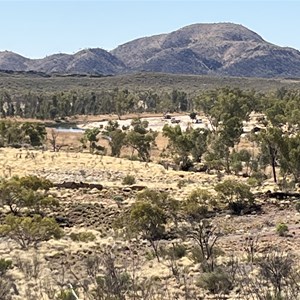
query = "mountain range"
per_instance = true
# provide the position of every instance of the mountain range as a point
(220, 49)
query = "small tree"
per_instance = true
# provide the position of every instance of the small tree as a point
(114, 282)
(53, 139)
(28, 231)
(193, 116)
(186, 144)
(163, 200)
(150, 221)
(277, 269)
(205, 236)
(197, 203)
(270, 142)
(141, 139)
(90, 135)
(5, 265)
(35, 132)
(115, 137)
(235, 194)
(26, 192)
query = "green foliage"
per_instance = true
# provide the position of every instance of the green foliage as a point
(226, 109)
(175, 252)
(282, 229)
(238, 158)
(235, 194)
(90, 135)
(193, 115)
(162, 200)
(116, 137)
(289, 156)
(215, 282)
(26, 192)
(128, 180)
(270, 142)
(256, 178)
(17, 133)
(197, 204)
(65, 294)
(223, 104)
(85, 236)
(5, 265)
(28, 231)
(186, 144)
(147, 218)
(141, 139)
(35, 132)
(217, 156)
(58, 97)
(35, 183)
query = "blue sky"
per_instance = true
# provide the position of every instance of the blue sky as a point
(38, 28)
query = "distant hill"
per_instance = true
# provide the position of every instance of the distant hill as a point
(221, 49)
(88, 61)
(216, 49)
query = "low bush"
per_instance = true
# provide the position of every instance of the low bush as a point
(82, 236)
(27, 231)
(128, 180)
(282, 229)
(5, 265)
(215, 282)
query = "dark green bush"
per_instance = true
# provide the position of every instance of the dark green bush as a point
(128, 180)
(5, 265)
(82, 237)
(215, 282)
(282, 229)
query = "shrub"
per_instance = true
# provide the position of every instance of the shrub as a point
(128, 180)
(216, 282)
(25, 192)
(177, 251)
(118, 198)
(30, 230)
(82, 237)
(65, 295)
(197, 254)
(197, 204)
(282, 229)
(235, 194)
(181, 183)
(256, 178)
(253, 182)
(149, 220)
(4, 266)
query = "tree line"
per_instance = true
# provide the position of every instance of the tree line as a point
(54, 105)
(227, 109)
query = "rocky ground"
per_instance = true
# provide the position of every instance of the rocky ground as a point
(59, 262)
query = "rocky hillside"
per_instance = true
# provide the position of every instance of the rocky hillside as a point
(224, 49)
(219, 49)
(88, 61)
